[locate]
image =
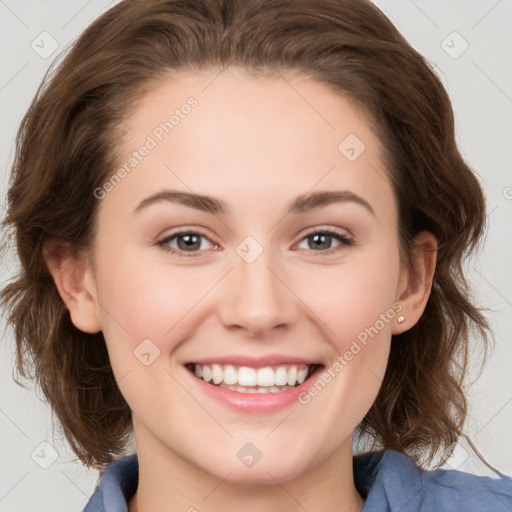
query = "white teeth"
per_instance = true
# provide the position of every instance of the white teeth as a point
(253, 380)
(243, 389)
(281, 376)
(206, 371)
(265, 376)
(292, 376)
(301, 376)
(230, 375)
(246, 376)
(218, 375)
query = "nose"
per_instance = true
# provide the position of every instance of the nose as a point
(258, 300)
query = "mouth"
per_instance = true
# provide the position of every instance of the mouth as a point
(248, 379)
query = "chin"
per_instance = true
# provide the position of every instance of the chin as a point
(266, 470)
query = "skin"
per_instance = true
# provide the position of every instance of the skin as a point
(256, 144)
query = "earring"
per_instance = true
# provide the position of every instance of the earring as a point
(401, 319)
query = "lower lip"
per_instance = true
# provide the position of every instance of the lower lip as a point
(256, 402)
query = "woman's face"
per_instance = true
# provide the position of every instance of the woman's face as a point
(289, 266)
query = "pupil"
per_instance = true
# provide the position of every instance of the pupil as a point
(187, 242)
(319, 241)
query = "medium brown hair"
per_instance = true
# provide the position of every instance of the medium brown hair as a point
(66, 148)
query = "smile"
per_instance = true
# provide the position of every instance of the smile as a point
(247, 379)
(252, 384)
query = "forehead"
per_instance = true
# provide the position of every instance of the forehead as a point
(220, 132)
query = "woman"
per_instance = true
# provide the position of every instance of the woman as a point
(241, 227)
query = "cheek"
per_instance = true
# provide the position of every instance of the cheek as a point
(357, 313)
(146, 313)
(356, 301)
(140, 303)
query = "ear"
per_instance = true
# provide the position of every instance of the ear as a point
(414, 288)
(75, 282)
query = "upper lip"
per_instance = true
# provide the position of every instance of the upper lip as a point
(255, 362)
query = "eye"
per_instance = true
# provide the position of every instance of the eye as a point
(192, 243)
(186, 242)
(321, 240)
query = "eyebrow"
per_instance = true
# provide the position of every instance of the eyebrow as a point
(198, 201)
(308, 202)
(301, 204)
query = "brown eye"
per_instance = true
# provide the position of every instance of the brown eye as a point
(190, 242)
(319, 241)
(186, 242)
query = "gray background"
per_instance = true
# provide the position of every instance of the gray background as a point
(479, 81)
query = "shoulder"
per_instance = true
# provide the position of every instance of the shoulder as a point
(393, 478)
(117, 484)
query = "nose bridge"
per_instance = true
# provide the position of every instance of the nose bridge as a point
(257, 299)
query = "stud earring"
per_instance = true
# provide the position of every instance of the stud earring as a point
(401, 319)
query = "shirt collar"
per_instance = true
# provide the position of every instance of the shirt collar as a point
(387, 480)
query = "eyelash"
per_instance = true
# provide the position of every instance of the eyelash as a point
(344, 242)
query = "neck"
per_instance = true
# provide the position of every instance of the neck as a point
(169, 483)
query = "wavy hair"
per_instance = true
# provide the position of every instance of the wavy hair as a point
(66, 147)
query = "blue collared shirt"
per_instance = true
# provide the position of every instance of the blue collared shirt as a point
(388, 480)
